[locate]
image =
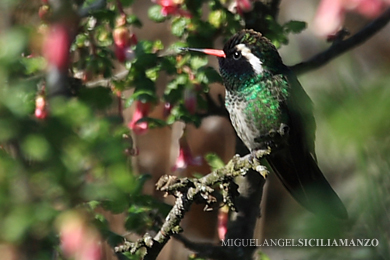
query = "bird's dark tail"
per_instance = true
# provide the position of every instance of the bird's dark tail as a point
(300, 174)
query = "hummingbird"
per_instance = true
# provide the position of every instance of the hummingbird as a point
(269, 108)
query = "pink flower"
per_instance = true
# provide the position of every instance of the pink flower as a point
(123, 41)
(121, 36)
(223, 217)
(186, 158)
(167, 7)
(330, 13)
(141, 110)
(243, 6)
(370, 8)
(172, 7)
(56, 46)
(40, 107)
(78, 240)
(44, 12)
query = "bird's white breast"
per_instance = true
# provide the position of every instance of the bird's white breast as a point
(242, 123)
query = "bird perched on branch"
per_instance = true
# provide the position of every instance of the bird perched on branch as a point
(269, 108)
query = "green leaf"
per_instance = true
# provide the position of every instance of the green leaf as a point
(158, 45)
(294, 26)
(217, 18)
(153, 73)
(12, 43)
(126, 3)
(8, 129)
(105, 15)
(180, 112)
(155, 15)
(97, 97)
(144, 47)
(174, 93)
(182, 79)
(263, 256)
(115, 206)
(168, 63)
(36, 147)
(134, 20)
(153, 122)
(34, 64)
(81, 40)
(143, 95)
(208, 75)
(179, 26)
(197, 62)
(214, 161)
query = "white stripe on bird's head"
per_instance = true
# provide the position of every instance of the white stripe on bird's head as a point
(253, 59)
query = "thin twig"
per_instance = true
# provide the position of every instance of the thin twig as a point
(120, 7)
(340, 47)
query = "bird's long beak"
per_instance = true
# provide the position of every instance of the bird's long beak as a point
(218, 53)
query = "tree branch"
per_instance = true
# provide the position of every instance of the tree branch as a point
(187, 191)
(242, 223)
(339, 47)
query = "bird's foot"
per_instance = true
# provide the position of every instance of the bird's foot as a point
(274, 138)
(255, 157)
(262, 170)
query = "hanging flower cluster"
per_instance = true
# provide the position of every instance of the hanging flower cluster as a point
(123, 40)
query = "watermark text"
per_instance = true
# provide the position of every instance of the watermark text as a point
(302, 242)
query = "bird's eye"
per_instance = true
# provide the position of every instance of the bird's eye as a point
(236, 55)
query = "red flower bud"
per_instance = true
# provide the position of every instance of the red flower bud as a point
(141, 110)
(56, 46)
(40, 108)
(123, 40)
(43, 12)
(121, 36)
(186, 158)
(223, 217)
(120, 53)
(243, 6)
(172, 7)
(190, 101)
(78, 240)
(121, 20)
(167, 10)
(133, 39)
